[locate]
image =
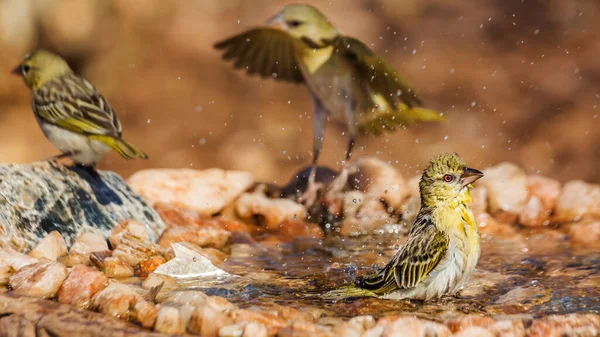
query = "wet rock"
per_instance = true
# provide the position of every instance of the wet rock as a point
(145, 267)
(145, 313)
(525, 297)
(254, 329)
(504, 328)
(175, 216)
(480, 197)
(271, 211)
(566, 325)
(491, 227)
(42, 279)
(189, 263)
(73, 258)
(576, 201)
(169, 321)
(207, 321)
(364, 216)
(82, 283)
(410, 326)
(130, 227)
(15, 259)
(474, 331)
(97, 258)
(543, 194)
(50, 247)
(41, 195)
(5, 272)
(411, 207)
(355, 327)
(116, 300)
(291, 229)
(507, 190)
(379, 181)
(132, 250)
(206, 191)
(154, 280)
(272, 322)
(585, 234)
(87, 243)
(201, 236)
(115, 268)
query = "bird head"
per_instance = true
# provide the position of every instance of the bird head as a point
(39, 67)
(304, 22)
(445, 178)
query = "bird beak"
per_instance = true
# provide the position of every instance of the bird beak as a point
(276, 22)
(470, 176)
(18, 70)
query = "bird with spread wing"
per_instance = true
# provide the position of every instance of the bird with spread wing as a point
(348, 82)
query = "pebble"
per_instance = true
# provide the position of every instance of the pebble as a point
(543, 194)
(205, 191)
(131, 227)
(585, 234)
(507, 189)
(50, 247)
(577, 200)
(201, 236)
(379, 181)
(42, 279)
(169, 321)
(81, 285)
(115, 268)
(89, 242)
(271, 211)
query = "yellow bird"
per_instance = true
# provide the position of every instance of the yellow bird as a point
(72, 113)
(442, 248)
(348, 82)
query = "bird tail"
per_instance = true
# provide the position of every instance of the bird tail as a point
(125, 149)
(379, 121)
(345, 292)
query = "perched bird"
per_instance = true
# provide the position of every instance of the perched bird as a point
(442, 248)
(348, 82)
(72, 113)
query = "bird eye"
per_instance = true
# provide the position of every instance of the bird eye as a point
(294, 23)
(25, 68)
(448, 178)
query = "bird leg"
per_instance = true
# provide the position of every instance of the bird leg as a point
(339, 183)
(60, 156)
(309, 196)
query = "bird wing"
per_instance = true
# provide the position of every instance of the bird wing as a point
(425, 248)
(263, 51)
(72, 103)
(375, 74)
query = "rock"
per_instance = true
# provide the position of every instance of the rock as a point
(175, 216)
(87, 243)
(565, 325)
(42, 279)
(411, 207)
(466, 321)
(133, 250)
(50, 247)
(272, 322)
(525, 297)
(207, 321)
(474, 331)
(234, 330)
(189, 263)
(15, 259)
(507, 190)
(206, 191)
(145, 313)
(116, 300)
(5, 272)
(82, 283)
(201, 236)
(145, 267)
(131, 227)
(364, 216)
(576, 201)
(508, 328)
(490, 227)
(153, 280)
(543, 194)
(290, 229)
(254, 329)
(115, 268)
(355, 327)
(97, 258)
(480, 197)
(379, 181)
(169, 321)
(44, 196)
(271, 211)
(74, 258)
(411, 326)
(585, 234)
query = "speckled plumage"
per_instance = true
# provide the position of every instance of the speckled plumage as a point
(442, 248)
(72, 113)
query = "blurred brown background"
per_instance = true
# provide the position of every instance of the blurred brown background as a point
(519, 81)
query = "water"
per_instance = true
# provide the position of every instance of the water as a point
(528, 275)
